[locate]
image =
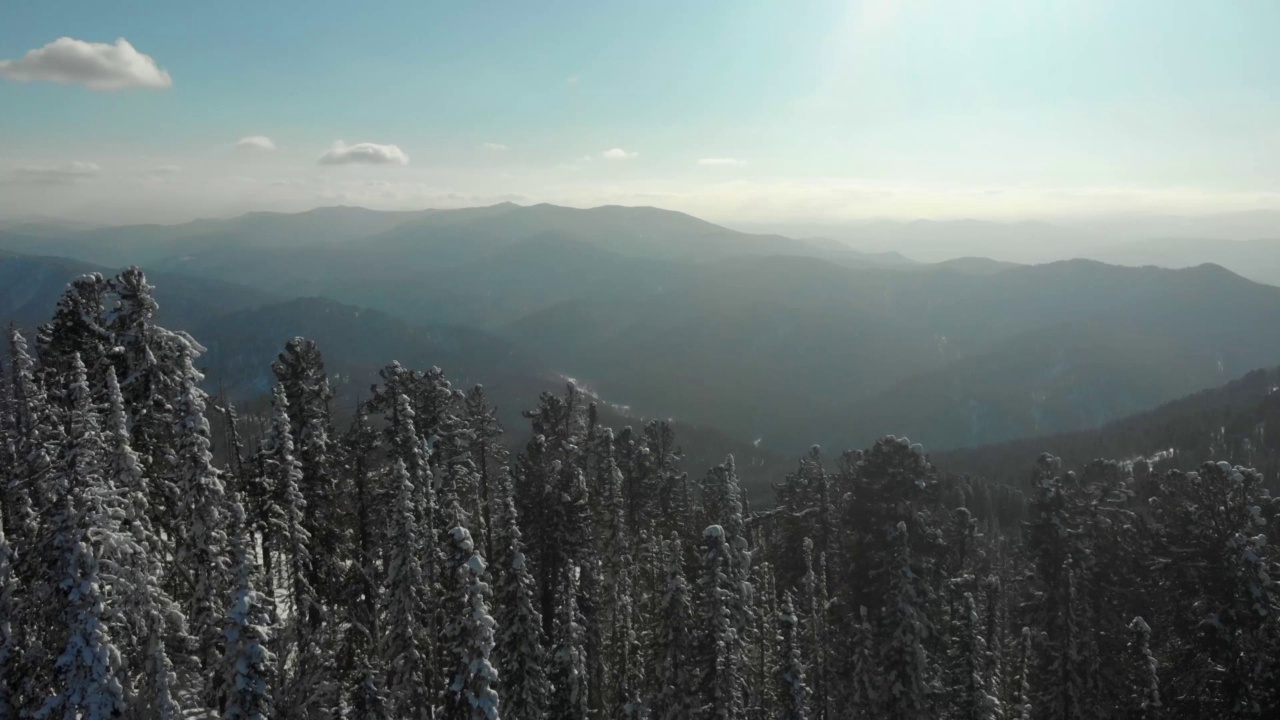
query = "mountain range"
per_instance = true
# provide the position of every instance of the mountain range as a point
(767, 342)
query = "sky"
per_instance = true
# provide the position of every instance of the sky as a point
(743, 111)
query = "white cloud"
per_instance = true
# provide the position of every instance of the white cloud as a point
(722, 162)
(256, 142)
(364, 153)
(494, 147)
(571, 81)
(97, 66)
(618, 154)
(64, 174)
(166, 170)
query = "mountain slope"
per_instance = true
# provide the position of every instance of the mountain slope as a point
(30, 287)
(1233, 422)
(797, 350)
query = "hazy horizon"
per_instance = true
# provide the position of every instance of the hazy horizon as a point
(828, 113)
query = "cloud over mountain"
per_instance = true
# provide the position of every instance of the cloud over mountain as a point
(365, 153)
(97, 66)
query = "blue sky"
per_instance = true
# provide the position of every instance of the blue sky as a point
(814, 111)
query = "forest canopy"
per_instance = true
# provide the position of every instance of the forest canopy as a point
(402, 561)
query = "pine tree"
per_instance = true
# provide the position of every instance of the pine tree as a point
(674, 499)
(1146, 688)
(519, 651)
(722, 681)
(570, 699)
(766, 650)
(365, 676)
(677, 693)
(994, 636)
(973, 702)
(1023, 705)
(864, 695)
(469, 633)
(290, 538)
(405, 641)
(624, 656)
(249, 667)
(34, 431)
(29, 500)
(9, 649)
(89, 670)
(813, 624)
(903, 655)
(77, 329)
(794, 691)
(201, 547)
(1064, 688)
(488, 455)
(300, 373)
(308, 685)
(155, 621)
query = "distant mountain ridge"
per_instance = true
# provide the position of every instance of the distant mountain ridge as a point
(763, 337)
(244, 329)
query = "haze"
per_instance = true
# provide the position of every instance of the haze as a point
(769, 113)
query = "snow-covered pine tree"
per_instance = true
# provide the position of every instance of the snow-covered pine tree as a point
(34, 432)
(469, 634)
(675, 503)
(864, 693)
(150, 366)
(723, 499)
(813, 629)
(366, 689)
(308, 688)
(154, 621)
(677, 697)
(793, 690)
(623, 659)
(406, 647)
(1145, 692)
(89, 670)
(765, 652)
(1062, 687)
(570, 675)
(548, 483)
(238, 481)
(300, 372)
(903, 656)
(721, 657)
(1022, 705)
(519, 652)
(994, 636)
(78, 328)
(408, 447)
(971, 699)
(290, 539)
(202, 544)
(369, 699)
(248, 665)
(488, 455)
(10, 700)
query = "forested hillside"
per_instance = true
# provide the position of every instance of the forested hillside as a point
(761, 337)
(1235, 422)
(400, 562)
